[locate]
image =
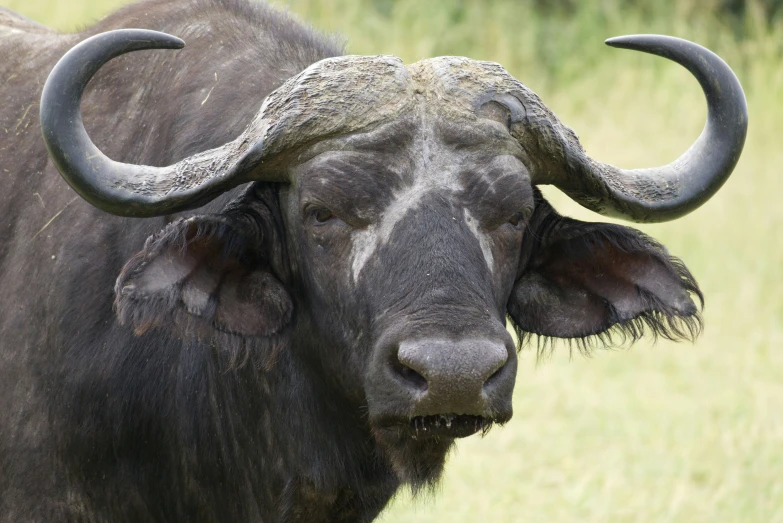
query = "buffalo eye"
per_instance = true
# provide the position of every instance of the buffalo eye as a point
(518, 219)
(321, 215)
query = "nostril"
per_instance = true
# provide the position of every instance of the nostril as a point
(408, 375)
(495, 375)
(413, 377)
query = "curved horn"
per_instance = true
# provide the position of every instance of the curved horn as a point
(668, 192)
(125, 189)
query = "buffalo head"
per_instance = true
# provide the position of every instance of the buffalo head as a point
(395, 223)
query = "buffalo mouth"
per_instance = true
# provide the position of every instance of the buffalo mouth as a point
(447, 426)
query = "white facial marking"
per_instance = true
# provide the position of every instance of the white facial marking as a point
(486, 248)
(364, 245)
(367, 241)
(436, 174)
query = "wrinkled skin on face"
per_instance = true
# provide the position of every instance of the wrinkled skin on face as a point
(423, 232)
(411, 232)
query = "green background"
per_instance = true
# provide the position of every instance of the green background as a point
(660, 432)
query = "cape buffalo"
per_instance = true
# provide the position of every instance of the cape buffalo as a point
(285, 314)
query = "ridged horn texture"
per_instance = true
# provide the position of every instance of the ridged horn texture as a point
(125, 189)
(344, 95)
(671, 191)
(333, 97)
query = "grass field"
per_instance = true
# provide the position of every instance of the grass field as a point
(682, 433)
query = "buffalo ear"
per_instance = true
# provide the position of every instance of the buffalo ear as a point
(601, 280)
(202, 275)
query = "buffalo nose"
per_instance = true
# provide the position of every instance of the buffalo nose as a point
(452, 375)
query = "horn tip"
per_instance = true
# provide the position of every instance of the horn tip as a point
(152, 39)
(171, 41)
(621, 42)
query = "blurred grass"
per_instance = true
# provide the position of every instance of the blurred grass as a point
(675, 433)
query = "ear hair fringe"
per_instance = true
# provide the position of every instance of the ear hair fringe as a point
(675, 327)
(658, 319)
